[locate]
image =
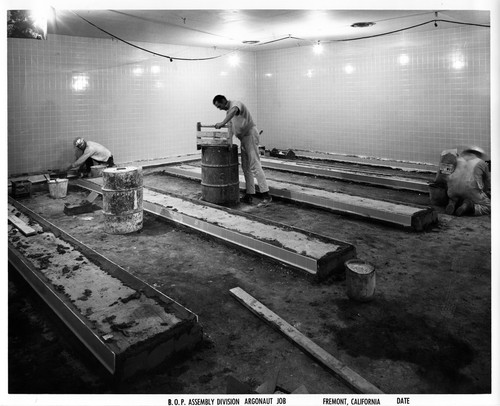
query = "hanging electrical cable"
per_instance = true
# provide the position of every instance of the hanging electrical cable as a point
(172, 58)
(408, 28)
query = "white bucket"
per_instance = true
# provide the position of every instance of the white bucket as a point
(360, 280)
(96, 170)
(58, 188)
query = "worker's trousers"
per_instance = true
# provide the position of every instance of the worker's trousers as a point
(250, 162)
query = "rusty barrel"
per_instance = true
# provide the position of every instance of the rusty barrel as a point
(122, 199)
(220, 182)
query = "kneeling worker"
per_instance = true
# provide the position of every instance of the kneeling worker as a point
(469, 186)
(90, 153)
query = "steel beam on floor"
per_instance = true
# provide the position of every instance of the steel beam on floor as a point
(386, 212)
(374, 162)
(168, 205)
(394, 182)
(119, 360)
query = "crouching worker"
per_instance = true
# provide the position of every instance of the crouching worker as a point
(469, 186)
(90, 153)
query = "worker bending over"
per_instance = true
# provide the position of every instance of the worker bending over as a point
(90, 153)
(244, 129)
(469, 185)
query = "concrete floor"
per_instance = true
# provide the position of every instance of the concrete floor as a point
(427, 331)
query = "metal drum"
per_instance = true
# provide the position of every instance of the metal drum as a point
(360, 280)
(122, 199)
(220, 182)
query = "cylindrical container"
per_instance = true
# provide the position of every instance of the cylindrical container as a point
(438, 194)
(360, 280)
(96, 170)
(122, 199)
(220, 181)
(58, 188)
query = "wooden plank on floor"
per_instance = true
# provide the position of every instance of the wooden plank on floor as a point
(354, 380)
(22, 226)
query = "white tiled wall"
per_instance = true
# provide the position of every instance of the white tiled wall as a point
(404, 96)
(139, 105)
(143, 106)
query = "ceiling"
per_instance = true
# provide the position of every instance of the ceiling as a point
(273, 28)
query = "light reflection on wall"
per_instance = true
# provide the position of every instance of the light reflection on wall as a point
(138, 71)
(349, 69)
(155, 69)
(457, 61)
(403, 59)
(80, 82)
(234, 60)
(309, 73)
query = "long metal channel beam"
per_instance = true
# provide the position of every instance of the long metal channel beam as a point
(279, 254)
(78, 325)
(380, 163)
(72, 319)
(391, 182)
(390, 213)
(108, 265)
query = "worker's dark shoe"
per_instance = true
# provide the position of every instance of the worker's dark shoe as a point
(450, 208)
(248, 198)
(266, 199)
(467, 207)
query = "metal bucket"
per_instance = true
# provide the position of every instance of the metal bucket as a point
(122, 199)
(96, 170)
(220, 182)
(360, 280)
(58, 188)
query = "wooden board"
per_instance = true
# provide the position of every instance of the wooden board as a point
(22, 226)
(355, 381)
(213, 138)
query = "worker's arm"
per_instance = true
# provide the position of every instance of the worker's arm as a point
(233, 111)
(87, 154)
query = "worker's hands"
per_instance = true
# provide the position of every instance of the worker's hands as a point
(218, 125)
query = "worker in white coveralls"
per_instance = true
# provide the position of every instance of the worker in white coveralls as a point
(245, 130)
(469, 185)
(88, 154)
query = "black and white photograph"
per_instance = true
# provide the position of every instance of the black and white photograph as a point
(251, 203)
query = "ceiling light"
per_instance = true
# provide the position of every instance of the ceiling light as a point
(362, 25)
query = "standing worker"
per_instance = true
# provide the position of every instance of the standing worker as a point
(90, 153)
(244, 128)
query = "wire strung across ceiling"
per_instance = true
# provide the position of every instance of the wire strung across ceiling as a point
(172, 58)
